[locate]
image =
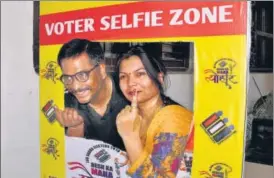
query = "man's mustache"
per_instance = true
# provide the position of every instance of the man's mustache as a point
(79, 90)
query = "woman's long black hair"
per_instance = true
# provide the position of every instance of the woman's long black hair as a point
(152, 66)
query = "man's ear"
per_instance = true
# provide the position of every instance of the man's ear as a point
(161, 78)
(103, 72)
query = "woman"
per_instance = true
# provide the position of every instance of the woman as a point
(154, 128)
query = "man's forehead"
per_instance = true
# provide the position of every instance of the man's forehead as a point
(70, 66)
(82, 58)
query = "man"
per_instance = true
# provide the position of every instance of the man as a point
(93, 99)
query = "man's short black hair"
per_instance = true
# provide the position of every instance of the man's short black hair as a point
(78, 46)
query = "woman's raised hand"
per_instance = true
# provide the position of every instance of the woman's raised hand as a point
(128, 120)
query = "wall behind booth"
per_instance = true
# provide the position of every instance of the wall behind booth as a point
(20, 144)
(19, 93)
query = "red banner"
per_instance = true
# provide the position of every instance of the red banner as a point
(145, 20)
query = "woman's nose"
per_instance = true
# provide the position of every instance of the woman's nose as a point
(131, 80)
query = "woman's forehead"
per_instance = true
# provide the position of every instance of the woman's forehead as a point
(131, 64)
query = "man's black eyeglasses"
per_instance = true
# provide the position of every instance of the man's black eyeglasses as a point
(82, 76)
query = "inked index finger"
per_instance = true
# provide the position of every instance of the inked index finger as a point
(134, 103)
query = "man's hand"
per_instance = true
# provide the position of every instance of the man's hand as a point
(68, 117)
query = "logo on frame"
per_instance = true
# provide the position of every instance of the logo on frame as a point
(50, 147)
(219, 170)
(216, 128)
(222, 72)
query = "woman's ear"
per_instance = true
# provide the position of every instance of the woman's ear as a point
(161, 78)
(103, 72)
